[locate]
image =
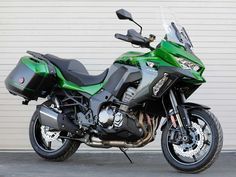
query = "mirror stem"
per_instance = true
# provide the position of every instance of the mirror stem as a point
(141, 28)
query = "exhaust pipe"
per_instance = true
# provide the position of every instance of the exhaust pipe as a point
(55, 120)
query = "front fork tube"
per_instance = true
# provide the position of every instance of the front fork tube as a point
(180, 113)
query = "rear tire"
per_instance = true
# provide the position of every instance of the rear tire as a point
(211, 155)
(67, 149)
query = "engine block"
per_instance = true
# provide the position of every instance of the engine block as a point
(117, 125)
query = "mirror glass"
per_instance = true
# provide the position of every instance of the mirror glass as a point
(123, 15)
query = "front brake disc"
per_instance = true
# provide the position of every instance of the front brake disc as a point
(193, 148)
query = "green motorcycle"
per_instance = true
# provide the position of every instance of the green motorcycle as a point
(123, 106)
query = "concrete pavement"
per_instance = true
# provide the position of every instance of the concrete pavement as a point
(106, 165)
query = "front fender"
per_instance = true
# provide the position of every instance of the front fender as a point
(188, 106)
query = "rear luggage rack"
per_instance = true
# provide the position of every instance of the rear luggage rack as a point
(40, 56)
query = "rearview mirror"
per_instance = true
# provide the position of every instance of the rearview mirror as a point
(122, 14)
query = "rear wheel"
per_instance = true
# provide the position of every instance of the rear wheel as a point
(47, 142)
(204, 146)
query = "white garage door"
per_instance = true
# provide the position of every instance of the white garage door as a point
(85, 30)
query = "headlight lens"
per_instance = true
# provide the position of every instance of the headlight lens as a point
(186, 64)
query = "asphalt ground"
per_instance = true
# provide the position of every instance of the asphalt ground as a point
(28, 164)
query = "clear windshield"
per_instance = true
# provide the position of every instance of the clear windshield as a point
(174, 31)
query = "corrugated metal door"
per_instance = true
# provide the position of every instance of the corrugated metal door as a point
(85, 30)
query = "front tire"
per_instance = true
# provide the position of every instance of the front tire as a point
(207, 151)
(60, 152)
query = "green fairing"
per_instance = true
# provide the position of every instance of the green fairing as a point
(91, 89)
(164, 55)
(129, 58)
(179, 51)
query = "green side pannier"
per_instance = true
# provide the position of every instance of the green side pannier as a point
(30, 79)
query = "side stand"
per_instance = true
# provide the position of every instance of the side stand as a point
(123, 150)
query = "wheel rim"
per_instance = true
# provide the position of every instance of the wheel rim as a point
(47, 139)
(195, 151)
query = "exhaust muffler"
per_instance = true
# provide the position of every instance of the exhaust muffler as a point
(55, 120)
(48, 117)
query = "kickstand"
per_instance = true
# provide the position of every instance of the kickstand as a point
(123, 150)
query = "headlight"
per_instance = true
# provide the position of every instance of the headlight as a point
(186, 64)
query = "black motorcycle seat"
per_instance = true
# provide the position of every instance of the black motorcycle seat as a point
(75, 71)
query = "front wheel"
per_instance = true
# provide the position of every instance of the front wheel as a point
(203, 147)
